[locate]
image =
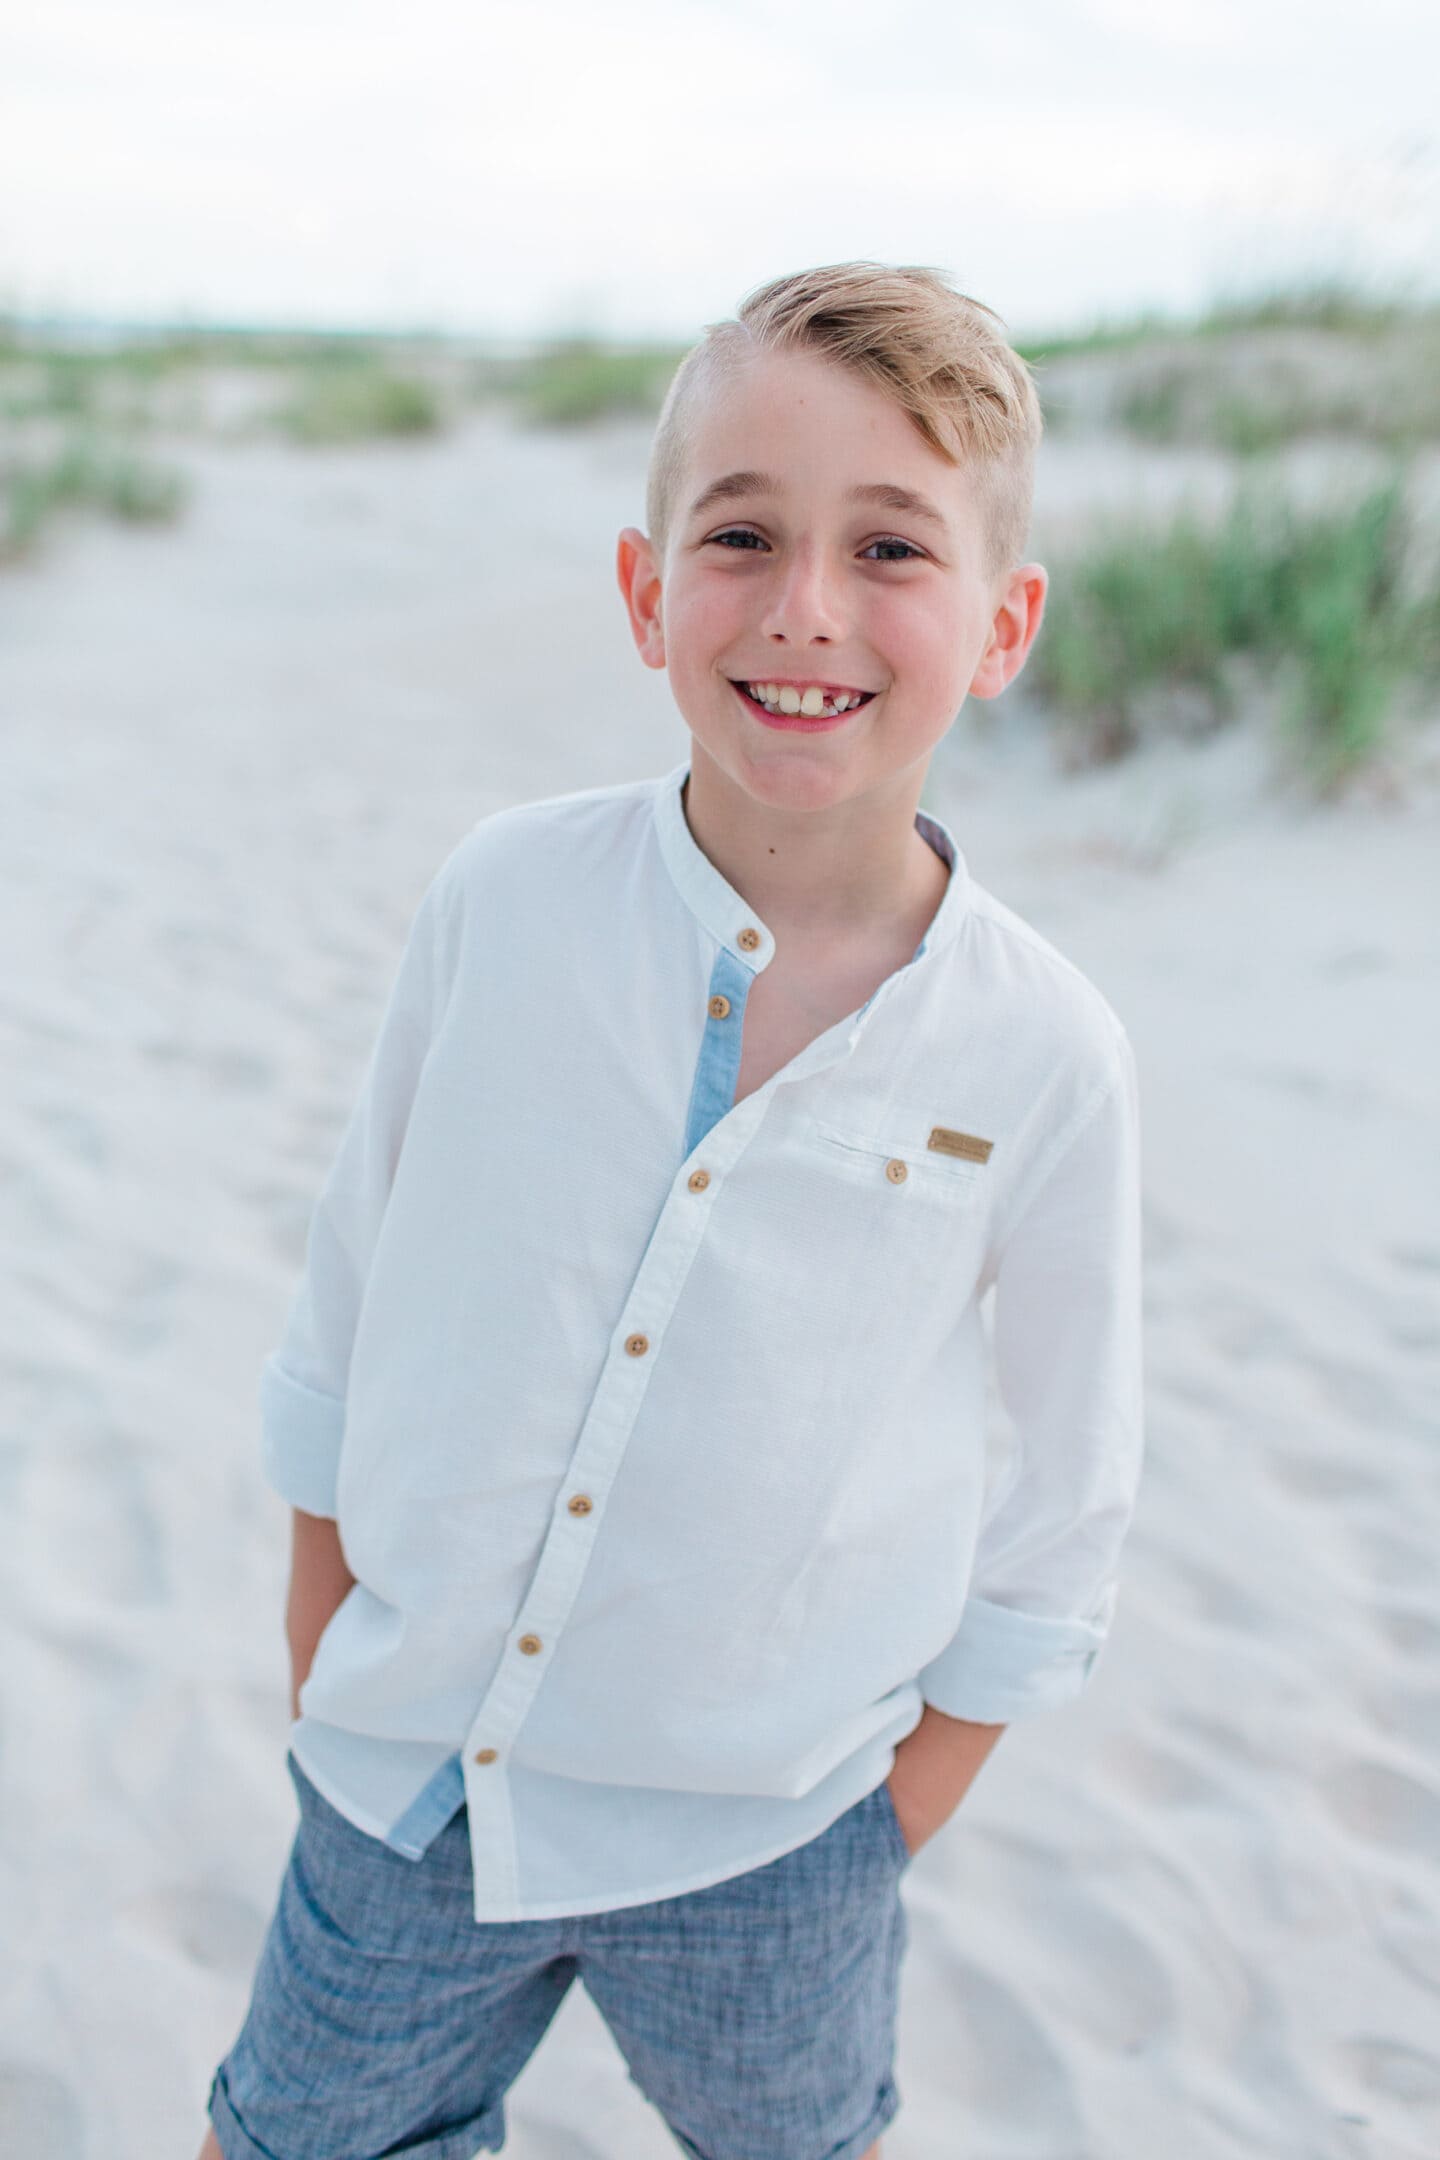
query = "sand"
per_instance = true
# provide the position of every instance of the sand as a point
(1196, 1911)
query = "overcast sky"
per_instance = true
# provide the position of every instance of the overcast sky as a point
(527, 168)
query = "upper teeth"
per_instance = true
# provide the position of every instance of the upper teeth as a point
(812, 701)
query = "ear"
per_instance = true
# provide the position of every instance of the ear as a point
(1012, 632)
(640, 586)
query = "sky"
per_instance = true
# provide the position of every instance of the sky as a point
(525, 170)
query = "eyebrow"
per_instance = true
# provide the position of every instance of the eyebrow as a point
(737, 486)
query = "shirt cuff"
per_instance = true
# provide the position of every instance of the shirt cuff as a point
(300, 1435)
(1002, 1664)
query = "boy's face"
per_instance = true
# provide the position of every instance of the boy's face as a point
(787, 573)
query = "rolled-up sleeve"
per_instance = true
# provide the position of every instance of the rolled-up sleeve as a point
(302, 1383)
(1068, 1366)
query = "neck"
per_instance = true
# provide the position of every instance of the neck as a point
(858, 868)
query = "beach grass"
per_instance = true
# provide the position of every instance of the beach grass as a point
(1322, 303)
(1382, 388)
(575, 380)
(358, 397)
(324, 386)
(1325, 304)
(85, 471)
(1327, 602)
(1254, 372)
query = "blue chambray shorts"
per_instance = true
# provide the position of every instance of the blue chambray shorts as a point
(757, 2014)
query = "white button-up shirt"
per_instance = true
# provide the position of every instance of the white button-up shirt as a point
(654, 1422)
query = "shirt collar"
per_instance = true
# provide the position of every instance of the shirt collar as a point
(731, 919)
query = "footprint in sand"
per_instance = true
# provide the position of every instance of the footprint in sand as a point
(1311, 1477)
(1401, 2073)
(238, 1072)
(1412, 1717)
(1365, 1394)
(39, 2114)
(1387, 1807)
(1357, 960)
(75, 1134)
(1415, 1328)
(1412, 1630)
(211, 1929)
(1406, 1924)
(1220, 1600)
(1086, 1932)
(1244, 1333)
(1395, 1559)
(1347, 1096)
(998, 2049)
(1158, 1776)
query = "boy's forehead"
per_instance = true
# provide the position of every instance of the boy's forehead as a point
(767, 392)
(801, 417)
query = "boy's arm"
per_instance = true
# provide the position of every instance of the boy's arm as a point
(302, 1385)
(1068, 1366)
(319, 1581)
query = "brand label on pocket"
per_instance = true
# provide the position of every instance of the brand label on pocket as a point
(966, 1144)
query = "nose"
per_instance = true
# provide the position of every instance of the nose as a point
(804, 605)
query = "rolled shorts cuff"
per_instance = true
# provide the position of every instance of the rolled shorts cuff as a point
(887, 2107)
(483, 2133)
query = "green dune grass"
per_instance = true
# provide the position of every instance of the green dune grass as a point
(1329, 603)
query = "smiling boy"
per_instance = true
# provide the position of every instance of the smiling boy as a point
(654, 1597)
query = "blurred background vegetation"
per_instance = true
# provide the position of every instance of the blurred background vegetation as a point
(1330, 608)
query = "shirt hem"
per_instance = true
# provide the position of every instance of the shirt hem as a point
(370, 1827)
(569, 1909)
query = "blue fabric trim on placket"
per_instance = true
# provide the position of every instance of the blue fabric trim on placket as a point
(429, 1811)
(717, 1069)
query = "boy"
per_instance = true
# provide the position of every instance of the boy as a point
(650, 1604)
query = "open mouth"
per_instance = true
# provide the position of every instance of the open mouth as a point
(788, 706)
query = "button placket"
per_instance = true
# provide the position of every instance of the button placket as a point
(595, 1462)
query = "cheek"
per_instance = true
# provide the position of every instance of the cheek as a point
(697, 620)
(929, 643)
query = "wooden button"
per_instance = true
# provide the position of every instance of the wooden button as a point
(529, 1644)
(581, 1503)
(748, 939)
(719, 1006)
(637, 1345)
(485, 1754)
(698, 1180)
(897, 1171)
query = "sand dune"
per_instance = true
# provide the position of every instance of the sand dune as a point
(1197, 1911)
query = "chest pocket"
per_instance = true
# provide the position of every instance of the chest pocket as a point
(902, 1158)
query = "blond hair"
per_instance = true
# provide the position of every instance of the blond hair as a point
(942, 357)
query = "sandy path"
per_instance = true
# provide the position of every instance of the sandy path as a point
(1197, 1910)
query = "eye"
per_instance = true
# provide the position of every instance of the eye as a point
(891, 543)
(739, 534)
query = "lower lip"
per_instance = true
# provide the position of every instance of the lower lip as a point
(798, 723)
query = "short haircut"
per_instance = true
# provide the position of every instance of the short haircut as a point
(942, 357)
